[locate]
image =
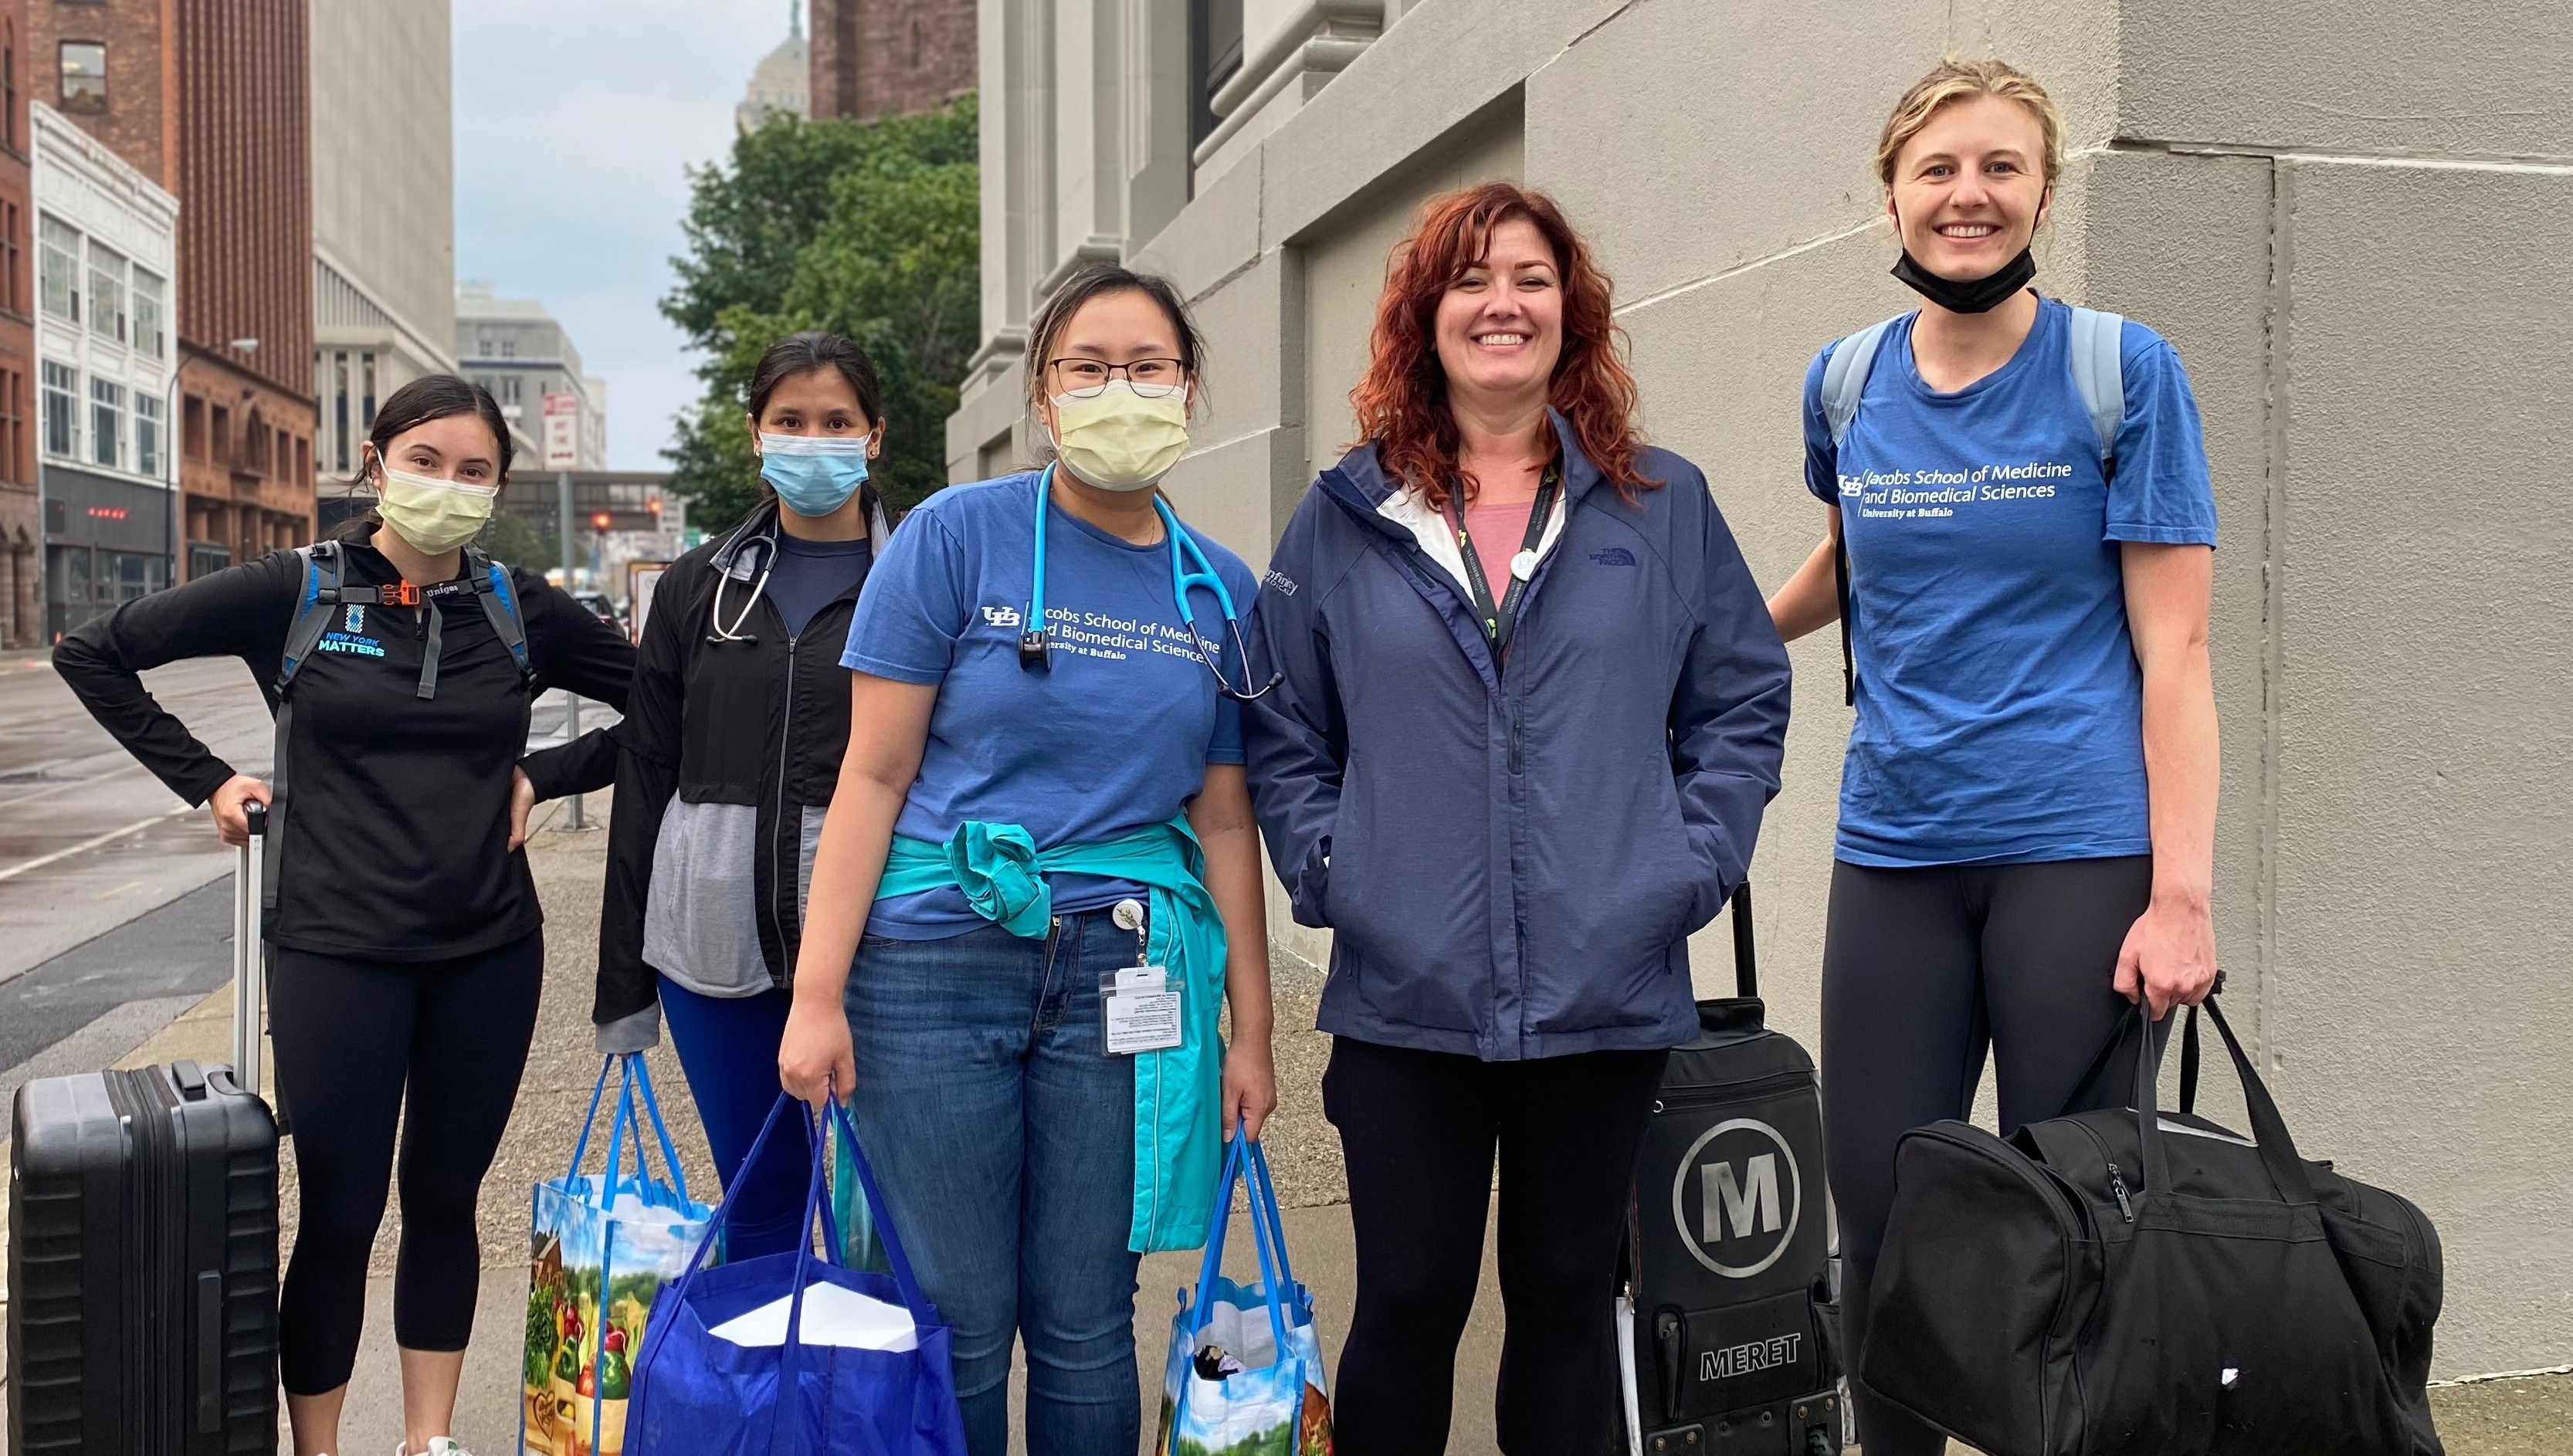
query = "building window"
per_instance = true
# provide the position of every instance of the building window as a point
(150, 436)
(61, 383)
(509, 348)
(106, 292)
(106, 423)
(58, 250)
(192, 427)
(339, 407)
(84, 76)
(1215, 45)
(9, 90)
(12, 249)
(367, 403)
(151, 314)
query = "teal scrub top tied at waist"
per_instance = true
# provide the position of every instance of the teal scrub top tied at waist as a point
(1002, 874)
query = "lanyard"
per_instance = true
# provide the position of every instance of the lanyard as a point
(1498, 621)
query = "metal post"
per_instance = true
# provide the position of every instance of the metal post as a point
(562, 526)
(572, 731)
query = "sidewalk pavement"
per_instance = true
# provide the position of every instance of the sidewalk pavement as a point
(2521, 1417)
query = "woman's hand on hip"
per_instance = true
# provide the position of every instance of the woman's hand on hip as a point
(231, 820)
(2169, 955)
(814, 1061)
(522, 802)
(1250, 1085)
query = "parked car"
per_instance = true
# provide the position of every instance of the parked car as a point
(600, 606)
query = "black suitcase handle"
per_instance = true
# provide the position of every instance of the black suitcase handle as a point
(1746, 968)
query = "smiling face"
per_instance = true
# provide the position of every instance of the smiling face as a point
(457, 448)
(820, 403)
(1970, 187)
(1499, 326)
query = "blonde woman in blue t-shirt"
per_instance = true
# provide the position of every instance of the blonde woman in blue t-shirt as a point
(2028, 813)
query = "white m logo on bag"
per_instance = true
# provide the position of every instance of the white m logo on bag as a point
(1749, 1195)
(1756, 1196)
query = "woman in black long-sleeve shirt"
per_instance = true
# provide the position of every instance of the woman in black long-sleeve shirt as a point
(407, 954)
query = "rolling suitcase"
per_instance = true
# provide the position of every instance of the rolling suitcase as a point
(142, 1245)
(1728, 1332)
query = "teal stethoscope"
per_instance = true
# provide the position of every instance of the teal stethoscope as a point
(1036, 647)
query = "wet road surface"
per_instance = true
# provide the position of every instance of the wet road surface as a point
(113, 893)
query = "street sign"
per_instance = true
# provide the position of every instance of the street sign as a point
(562, 431)
(641, 577)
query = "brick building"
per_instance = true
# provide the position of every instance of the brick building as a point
(21, 520)
(871, 57)
(212, 100)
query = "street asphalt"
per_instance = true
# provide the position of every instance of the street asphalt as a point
(114, 949)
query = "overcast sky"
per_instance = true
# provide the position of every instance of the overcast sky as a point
(574, 123)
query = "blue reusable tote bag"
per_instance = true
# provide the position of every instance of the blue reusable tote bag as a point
(603, 1253)
(697, 1393)
(1264, 1392)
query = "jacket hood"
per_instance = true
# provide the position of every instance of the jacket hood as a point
(1360, 485)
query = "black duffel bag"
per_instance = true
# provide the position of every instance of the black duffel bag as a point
(2128, 1283)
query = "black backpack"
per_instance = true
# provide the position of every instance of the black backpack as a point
(2134, 1282)
(1728, 1326)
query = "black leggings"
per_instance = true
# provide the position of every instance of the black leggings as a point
(1417, 1131)
(1923, 969)
(349, 1036)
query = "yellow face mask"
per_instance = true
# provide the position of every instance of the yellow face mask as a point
(1118, 440)
(434, 516)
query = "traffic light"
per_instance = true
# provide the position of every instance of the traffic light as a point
(653, 505)
(599, 521)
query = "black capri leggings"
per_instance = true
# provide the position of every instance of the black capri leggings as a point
(353, 1037)
(1923, 969)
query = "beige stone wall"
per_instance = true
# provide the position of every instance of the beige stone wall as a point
(2350, 219)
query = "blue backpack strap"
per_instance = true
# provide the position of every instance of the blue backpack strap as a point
(1844, 375)
(1844, 382)
(499, 599)
(2099, 375)
(321, 567)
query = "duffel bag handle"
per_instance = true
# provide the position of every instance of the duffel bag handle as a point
(2269, 1129)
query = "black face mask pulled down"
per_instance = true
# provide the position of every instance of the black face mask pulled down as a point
(1973, 296)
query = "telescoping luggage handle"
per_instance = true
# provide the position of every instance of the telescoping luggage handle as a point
(249, 961)
(1746, 969)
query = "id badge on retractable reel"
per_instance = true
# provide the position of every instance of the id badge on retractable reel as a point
(1139, 1006)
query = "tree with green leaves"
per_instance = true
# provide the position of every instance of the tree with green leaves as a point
(868, 229)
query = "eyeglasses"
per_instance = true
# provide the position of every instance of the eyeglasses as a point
(1082, 378)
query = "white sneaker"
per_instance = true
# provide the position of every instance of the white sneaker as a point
(438, 1446)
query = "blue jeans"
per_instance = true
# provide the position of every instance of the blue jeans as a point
(729, 1048)
(1004, 1139)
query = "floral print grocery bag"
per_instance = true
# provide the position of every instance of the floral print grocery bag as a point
(601, 1249)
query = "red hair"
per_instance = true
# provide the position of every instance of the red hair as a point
(1401, 403)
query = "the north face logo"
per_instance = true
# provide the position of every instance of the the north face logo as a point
(1614, 557)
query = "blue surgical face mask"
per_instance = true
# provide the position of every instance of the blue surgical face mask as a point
(813, 474)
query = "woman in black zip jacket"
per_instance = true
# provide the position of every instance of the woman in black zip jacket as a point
(406, 950)
(731, 750)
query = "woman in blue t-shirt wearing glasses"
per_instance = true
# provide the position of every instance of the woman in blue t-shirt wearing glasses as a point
(1043, 830)
(2028, 812)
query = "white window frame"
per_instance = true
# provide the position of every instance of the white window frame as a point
(106, 423)
(60, 381)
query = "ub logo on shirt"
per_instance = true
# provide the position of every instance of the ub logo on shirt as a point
(1003, 616)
